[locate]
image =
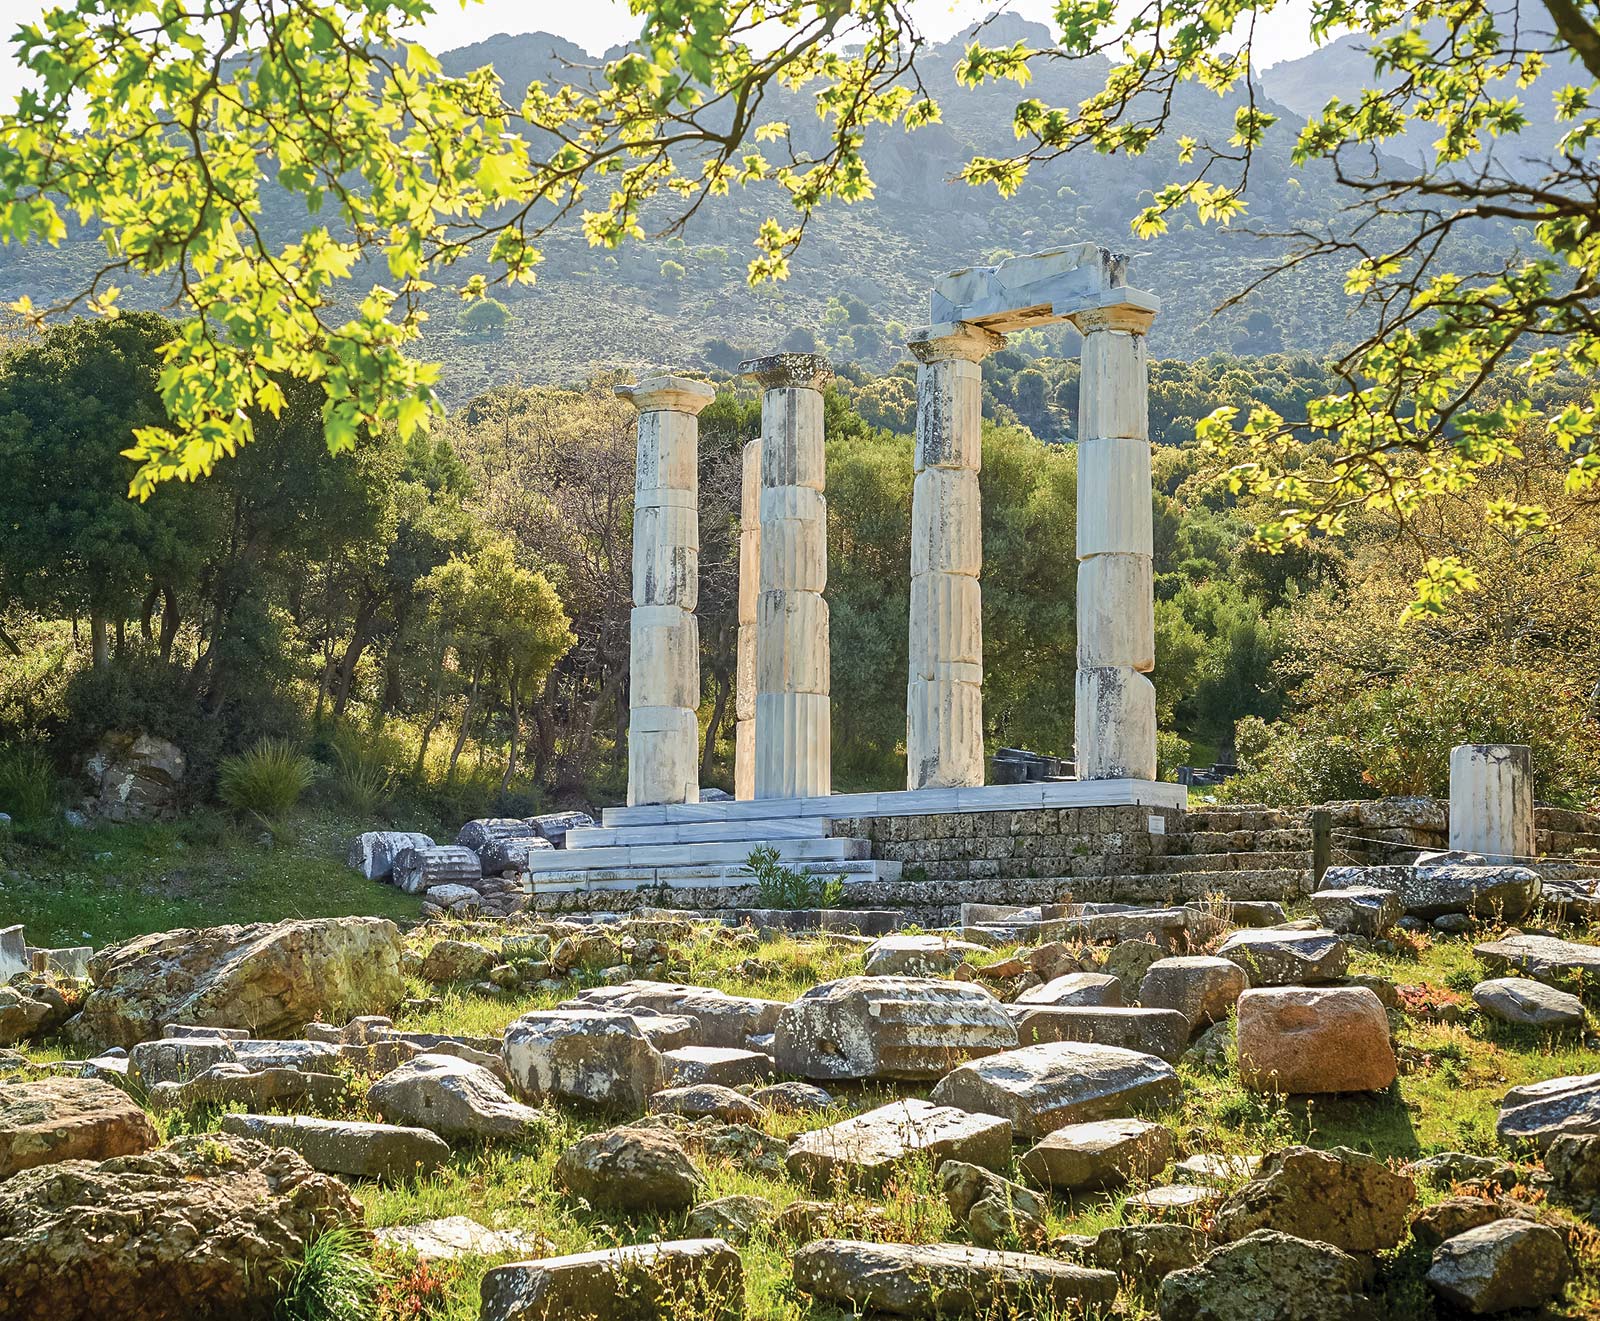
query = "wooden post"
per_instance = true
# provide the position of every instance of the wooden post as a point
(1321, 845)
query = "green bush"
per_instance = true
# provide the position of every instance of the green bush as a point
(363, 771)
(778, 886)
(27, 784)
(334, 1281)
(267, 778)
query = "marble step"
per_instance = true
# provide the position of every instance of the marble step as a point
(912, 802)
(766, 830)
(544, 862)
(644, 877)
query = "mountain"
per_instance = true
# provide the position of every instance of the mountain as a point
(863, 273)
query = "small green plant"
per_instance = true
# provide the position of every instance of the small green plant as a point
(266, 779)
(778, 886)
(362, 778)
(334, 1281)
(27, 784)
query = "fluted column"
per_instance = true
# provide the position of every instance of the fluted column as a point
(944, 692)
(744, 684)
(664, 660)
(794, 736)
(1115, 711)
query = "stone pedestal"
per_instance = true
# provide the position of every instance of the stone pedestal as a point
(1115, 703)
(1491, 801)
(664, 666)
(944, 694)
(793, 755)
(744, 684)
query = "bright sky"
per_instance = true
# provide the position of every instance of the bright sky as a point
(597, 24)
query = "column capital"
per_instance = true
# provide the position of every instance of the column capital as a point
(1127, 317)
(789, 371)
(666, 393)
(953, 340)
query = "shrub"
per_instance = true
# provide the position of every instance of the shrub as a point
(778, 886)
(334, 1281)
(267, 779)
(27, 784)
(487, 317)
(363, 778)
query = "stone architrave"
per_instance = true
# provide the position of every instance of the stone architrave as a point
(1491, 801)
(944, 694)
(794, 736)
(664, 667)
(1115, 712)
(744, 683)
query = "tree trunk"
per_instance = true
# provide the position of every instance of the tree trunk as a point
(719, 708)
(99, 640)
(516, 732)
(466, 717)
(361, 634)
(170, 619)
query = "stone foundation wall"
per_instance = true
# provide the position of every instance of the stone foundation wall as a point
(1379, 831)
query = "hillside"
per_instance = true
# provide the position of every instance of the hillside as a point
(863, 272)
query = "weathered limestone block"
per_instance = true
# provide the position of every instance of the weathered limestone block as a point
(57, 1119)
(1160, 1032)
(653, 1282)
(1202, 988)
(726, 1065)
(1113, 392)
(352, 1148)
(1353, 1201)
(948, 538)
(1042, 1087)
(1364, 910)
(238, 1084)
(1109, 1153)
(1116, 614)
(1287, 958)
(1508, 1265)
(593, 1057)
(867, 1147)
(457, 1100)
(888, 1027)
(700, 1100)
(1491, 801)
(947, 1280)
(1544, 958)
(1075, 990)
(917, 955)
(1503, 892)
(1267, 1274)
(1537, 1113)
(1115, 724)
(719, 1019)
(632, 1169)
(450, 1237)
(418, 870)
(1528, 1003)
(1303, 1040)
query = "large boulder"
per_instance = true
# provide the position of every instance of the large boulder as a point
(455, 961)
(1341, 1197)
(1041, 1088)
(917, 955)
(1303, 1040)
(21, 1016)
(947, 1280)
(1546, 959)
(207, 1227)
(905, 1028)
(1507, 1265)
(1358, 910)
(454, 1098)
(866, 1147)
(1201, 987)
(1526, 1003)
(1287, 958)
(995, 1211)
(592, 1057)
(701, 1278)
(134, 777)
(631, 1169)
(1537, 1113)
(707, 1100)
(1432, 891)
(1267, 1276)
(271, 978)
(1075, 990)
(59, 1119)
(349, 1147)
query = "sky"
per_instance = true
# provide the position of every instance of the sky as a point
(598, 24)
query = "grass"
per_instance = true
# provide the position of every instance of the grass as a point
(1453, 1078)
(110, 883)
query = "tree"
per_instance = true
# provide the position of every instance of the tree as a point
(487, 317)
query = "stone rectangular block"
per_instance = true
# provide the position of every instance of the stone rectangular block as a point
(666, 556)
(1116, 613)
(1114, 501)
(1113, 390)
(947, 522)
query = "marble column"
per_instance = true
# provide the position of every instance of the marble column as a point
(794, 736)
(664, 661)
(944, 692)
(744, 683)
(1115, 710)
(1491, 801)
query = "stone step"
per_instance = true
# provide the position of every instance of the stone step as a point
(767, 830)
(912, 802)
(548, 862)
(644, 877)
(1256, 860)
(1240, 818)
(1191, 842)
(1280, 884)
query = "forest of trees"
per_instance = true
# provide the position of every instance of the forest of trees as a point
(458, 607)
